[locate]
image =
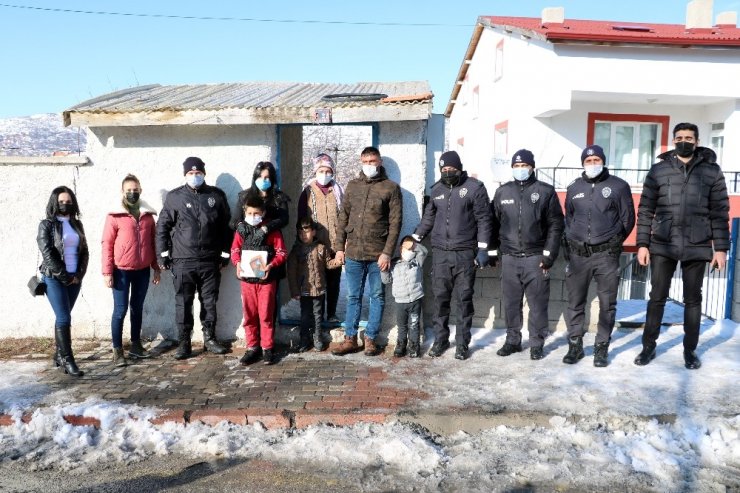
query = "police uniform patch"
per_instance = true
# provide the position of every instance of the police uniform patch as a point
(535, 197)
(211, 201)
(463, 192)
(606, 191)
(590, 152)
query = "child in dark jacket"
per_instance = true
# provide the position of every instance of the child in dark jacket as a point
(307, 264)
(259, 292)
(407, 276)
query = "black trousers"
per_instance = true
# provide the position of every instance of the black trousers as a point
(520, 277)
(333, 277)
(453, 271)
(604, 268)
(191, 276)
(661, 273)
(408, 317)
(312, 314)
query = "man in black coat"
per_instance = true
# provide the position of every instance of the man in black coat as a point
(527, 227)
(460, 223)
(599, 215)
(194, 240)
(683, 216)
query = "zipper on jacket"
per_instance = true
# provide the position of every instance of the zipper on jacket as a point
(447, 217)
(519, 226)
(590, 210)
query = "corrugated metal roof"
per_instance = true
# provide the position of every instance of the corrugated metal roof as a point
(250, 95)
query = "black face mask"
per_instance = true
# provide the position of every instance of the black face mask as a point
(132, 197)
(685, 149)
(451, 178)
(66, 209)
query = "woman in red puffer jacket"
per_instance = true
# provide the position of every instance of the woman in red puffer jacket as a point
(128, 253)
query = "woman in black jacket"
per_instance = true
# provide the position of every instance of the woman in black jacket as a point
(264, 183)
(61, 240)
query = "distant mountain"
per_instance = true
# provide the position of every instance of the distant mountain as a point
(39, 135)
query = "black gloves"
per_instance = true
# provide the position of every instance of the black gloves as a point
(547, 262)
(224, 261)
(165, 263)
(492, 258)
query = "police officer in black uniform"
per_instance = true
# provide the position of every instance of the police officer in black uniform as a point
(460, 222)
(527, 227)
(599, 215)
(194, 239)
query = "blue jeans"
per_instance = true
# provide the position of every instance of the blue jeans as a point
(135, 282)
(357, 272)
(62, 299)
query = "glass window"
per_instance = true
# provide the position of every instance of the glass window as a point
(630, 148)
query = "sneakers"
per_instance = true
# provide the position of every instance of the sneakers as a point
(267, 357)
(575, 351)
(118, 359)
(691, 360)
(371, 349)
(400, 351)
(137, 351)
(461, 352)
(601, 354)
(438, 348)
(646, 355)
(414, 350)
(251, 355)
(536, 352)
(508, 349)
(349, 345)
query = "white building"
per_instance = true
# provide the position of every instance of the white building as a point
(554, 85)
(150, 130)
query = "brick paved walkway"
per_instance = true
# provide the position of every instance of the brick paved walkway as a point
(211, 388)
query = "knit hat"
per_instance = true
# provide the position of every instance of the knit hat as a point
(593, 150)
(450, 158)
(523, 156)
(323, 161)
(193, 164)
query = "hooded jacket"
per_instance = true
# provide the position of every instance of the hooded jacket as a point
(370, 217)
(128, 244)
(684, 209)
(407, 276)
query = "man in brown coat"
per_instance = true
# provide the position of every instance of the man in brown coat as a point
(367, 232)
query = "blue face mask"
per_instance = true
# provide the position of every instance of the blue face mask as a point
(520, 174)
(195, 180)
(263, 184)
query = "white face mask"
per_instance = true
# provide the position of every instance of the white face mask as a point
(195, 180)
(324, 180)
(520, 174)
(407, 255)
(369, 170)
(253, 220)
(594, 170)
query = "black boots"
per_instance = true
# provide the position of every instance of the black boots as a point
(508, 349)
(691, 360)
(414, 350)
(137, 351)
(400, 350)
(209, 341)
(601, 354)
(438, 348)
(319, 344)
(64, 358)
(184, 348)
(536, 353)
(251, 355)
(306, 340)
(646, 355)
(575, 350)
(461, 352)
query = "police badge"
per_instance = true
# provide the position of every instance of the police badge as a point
(463, 192)
(535, 197)
(211, 201)
(605, 192)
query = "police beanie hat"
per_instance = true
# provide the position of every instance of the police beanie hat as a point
(593, 150)
(450, 158)
(523, 156)
(193, 164)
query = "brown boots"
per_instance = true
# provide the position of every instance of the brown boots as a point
(349, 345)
(371, 349)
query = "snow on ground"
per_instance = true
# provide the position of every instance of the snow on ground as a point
(654, 428)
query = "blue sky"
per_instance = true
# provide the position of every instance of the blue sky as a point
(54, 60)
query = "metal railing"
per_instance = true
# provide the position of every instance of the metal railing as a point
(561, 177)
